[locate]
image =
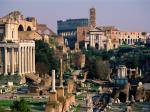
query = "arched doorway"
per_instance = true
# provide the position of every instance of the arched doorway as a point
(20, 28)
(28, 28)
(97, 46)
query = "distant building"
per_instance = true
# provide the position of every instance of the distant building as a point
(96, 39)
(93, 17)
(68, 29)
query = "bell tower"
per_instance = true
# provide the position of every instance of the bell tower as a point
(93, 17)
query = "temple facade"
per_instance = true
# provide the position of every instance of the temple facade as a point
(17, 56)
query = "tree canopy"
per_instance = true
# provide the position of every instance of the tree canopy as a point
(20, 106)
(45, 58)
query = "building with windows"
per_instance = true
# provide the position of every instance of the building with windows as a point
(17, 55)
(68, 29)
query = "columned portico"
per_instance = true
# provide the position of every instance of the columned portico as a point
(18, 58)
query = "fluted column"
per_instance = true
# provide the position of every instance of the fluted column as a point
(5, 50)
(22, 60)
(93, 41)
(12, 61)
(25, 59)
(19, 60)
(53, 81)
(61, 74)
(90, 40)
(28, 60)
(33, 55)
(31, 60)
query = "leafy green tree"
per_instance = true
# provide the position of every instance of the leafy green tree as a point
(45, 58)
(20, 106)
(102, 69)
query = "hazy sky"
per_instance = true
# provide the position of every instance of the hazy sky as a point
(127, 15)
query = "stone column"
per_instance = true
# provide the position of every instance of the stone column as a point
(12, 61)
(93, 44)
(28, 60)
(33, 55)
(22, 60)
(31, 60)
(19, 60)
(90, 40)
(53, 81)
(5, 73)
(25, 56)
(61, 74)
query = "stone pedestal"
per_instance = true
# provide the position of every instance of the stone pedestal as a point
(60, 92)
(70, 86)
(53, 96)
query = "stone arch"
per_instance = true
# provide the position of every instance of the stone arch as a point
(29, 28)
(97, 46)
(20, 28)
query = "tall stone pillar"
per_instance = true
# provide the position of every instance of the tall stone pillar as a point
(31, 60)
(22, 60)
(61, 74)
(12, 61)
(53, 93)
(25, 59)
(5, 50)
(33, 55)
(19, 60)
(53, 81)
(93, 41)
(28, 63)
(90, 40)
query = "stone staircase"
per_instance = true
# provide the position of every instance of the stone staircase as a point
(33, 77)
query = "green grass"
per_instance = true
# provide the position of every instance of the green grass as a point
(6, 103)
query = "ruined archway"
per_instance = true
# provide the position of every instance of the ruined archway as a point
(20, 28)
(28, 28)
(97, 46)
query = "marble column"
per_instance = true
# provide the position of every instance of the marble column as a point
(19, 60)
(12, 61)
(93, 42)
(33, 55)
(28, 50)
(53, 81)
(90, 40)
(61, 74)
(25, 59)
(5, 50)
(22, 60)
(31, 60)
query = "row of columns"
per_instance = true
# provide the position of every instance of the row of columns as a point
(122, 72)
(92, 41)
(128, 41)
(24, 59)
